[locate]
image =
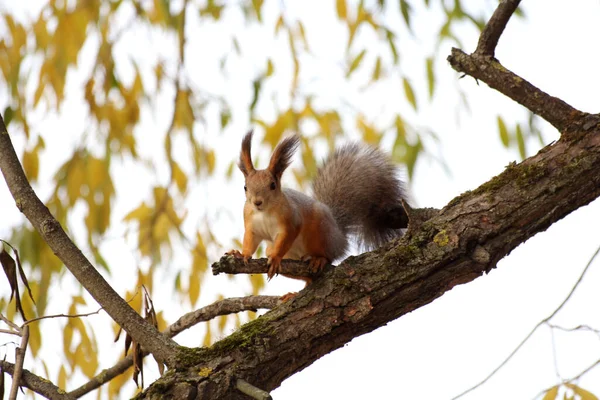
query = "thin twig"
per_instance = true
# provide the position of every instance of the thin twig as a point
(63, 316)
(10, 323)
(544, 321)
(9, 332)
(19, 360)
(488, 40)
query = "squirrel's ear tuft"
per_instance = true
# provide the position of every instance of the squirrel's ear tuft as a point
(282, 156)
(245, 163)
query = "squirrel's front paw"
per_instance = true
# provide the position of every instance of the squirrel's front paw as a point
(238, 255)
(315, 263)
(274, 264)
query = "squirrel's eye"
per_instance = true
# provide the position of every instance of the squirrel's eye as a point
(273, 186)
(245, 188)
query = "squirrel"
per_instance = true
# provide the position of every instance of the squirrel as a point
(356, 192)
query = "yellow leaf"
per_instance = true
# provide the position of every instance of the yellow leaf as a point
(194, 290)
(210, 161)
(582, 393)
(430, 77)
(141, 213)
(370, 133)
(159, 74)
(377, 70)
(280, 23)
(184, 115)
(207, 337)
(503, 131)
(269, 67)
(257, 5)
(40, 31)
(222, 323)
(31, 164)
(302, 34)
(62, 378)
(355, 63)
(409, 93)
(180, 177)
(341, 8)
(257, 281)
(97, 173)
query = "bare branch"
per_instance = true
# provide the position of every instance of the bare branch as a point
(542, 322)
(552, 109)
(37, 384)
(60, 243)
(488, 40)
(19, 359)
(10, 323)
(231, 265)
(222, 307)
(29, 321)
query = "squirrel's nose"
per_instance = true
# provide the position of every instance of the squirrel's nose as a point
(258, 203)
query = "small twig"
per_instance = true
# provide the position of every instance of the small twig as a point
(10, 332)
(231, 265)
(19, 360)
(63, 316)
(554, 356)
(251, 390)
(222, 307)
(488, 40)
(10, 323)
(544, 321)
(576, 328)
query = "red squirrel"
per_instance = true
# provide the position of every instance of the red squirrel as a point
(356, 192)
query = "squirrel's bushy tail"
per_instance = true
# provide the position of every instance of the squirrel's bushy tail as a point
(360, 185)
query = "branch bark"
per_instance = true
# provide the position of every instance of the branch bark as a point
(35, 383)
(49, 228)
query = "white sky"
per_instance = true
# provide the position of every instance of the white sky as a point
(447, 346)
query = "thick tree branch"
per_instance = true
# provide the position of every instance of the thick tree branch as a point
(488, 40)
(222, 307)
(560, 114)
(53, 234)
(35, 383)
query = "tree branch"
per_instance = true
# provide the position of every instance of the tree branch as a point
(19, 359)
(222, 307)
(558, 113)
(488, 40)
(229, 264)
(49, 228)
(37, 384)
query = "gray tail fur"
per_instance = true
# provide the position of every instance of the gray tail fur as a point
(359, 183)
